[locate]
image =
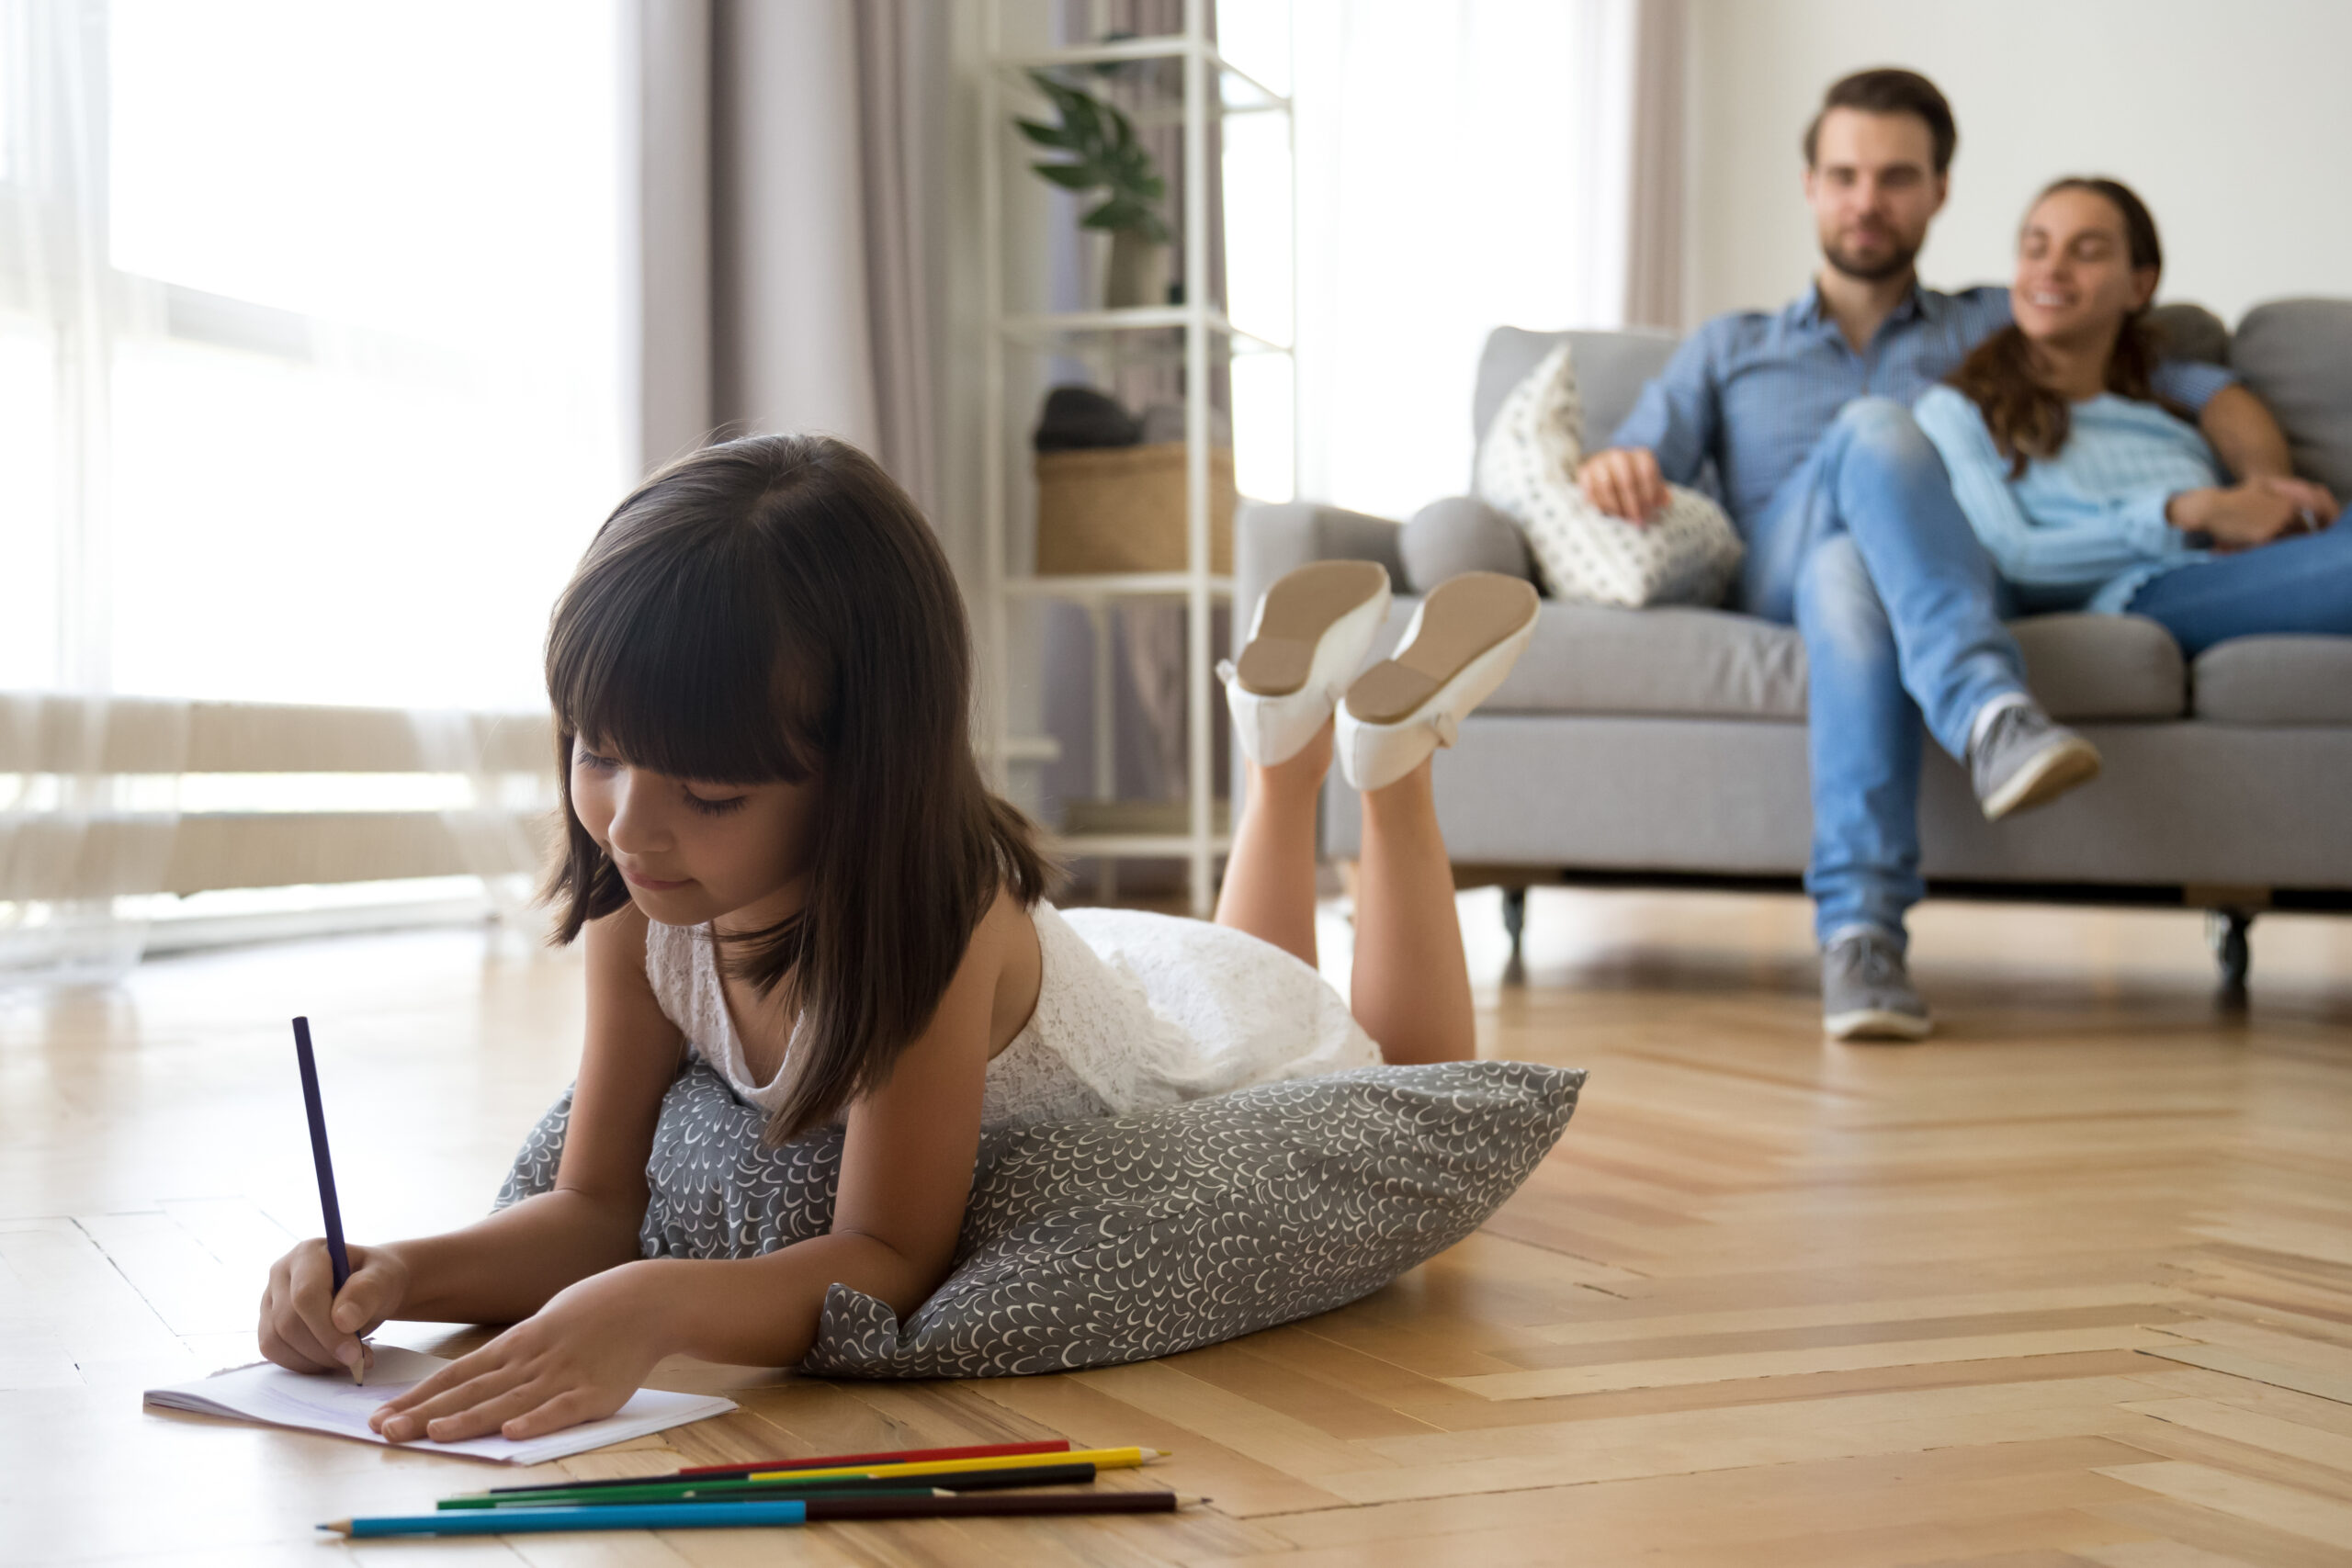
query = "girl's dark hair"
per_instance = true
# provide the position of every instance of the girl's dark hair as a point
(2029, 419)
(775, 608)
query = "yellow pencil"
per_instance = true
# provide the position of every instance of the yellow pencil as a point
(1100, 1459)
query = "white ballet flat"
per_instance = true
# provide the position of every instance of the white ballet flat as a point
(1311, 632)
(1462, 642)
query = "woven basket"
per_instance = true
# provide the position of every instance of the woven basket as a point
(1122, 508)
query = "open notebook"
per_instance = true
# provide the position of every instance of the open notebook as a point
(323, 1403)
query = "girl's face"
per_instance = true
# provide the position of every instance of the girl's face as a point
(695, 851)
(2075, 280)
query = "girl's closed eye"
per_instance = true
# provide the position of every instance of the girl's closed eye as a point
(712, 806)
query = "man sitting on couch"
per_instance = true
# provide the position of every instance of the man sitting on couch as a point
(1852, 533)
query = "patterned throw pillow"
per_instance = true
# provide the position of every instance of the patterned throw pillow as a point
(1090, 1244)
(1527, 471)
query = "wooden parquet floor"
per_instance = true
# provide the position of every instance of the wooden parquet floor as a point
(2070, 1285)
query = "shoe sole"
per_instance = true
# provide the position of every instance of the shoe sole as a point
(1463, 619)
(1876, 1023)
(1462, 641)
(1294, 617)
(2045, 777)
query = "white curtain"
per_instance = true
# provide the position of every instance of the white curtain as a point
(311, 371)
(790, 279)
(88, 786)
(1462, 164)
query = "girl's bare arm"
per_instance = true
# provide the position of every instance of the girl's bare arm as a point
(505, 1267)
(906, 1175)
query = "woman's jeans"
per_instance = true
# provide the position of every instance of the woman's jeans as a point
(2298, 584)
(1866, 551)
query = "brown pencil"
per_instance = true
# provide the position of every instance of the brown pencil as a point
(967, 1504)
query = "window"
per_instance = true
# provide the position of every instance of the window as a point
(310, 343)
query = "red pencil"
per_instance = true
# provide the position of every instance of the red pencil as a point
(820, 1462)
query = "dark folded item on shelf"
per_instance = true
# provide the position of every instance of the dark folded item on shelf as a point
(1079, 418)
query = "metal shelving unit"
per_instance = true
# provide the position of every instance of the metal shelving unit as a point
(1212, 84)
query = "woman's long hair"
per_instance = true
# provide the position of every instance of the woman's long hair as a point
(775, 608)
(2029, 419)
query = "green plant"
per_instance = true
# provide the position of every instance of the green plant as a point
(1104, 155)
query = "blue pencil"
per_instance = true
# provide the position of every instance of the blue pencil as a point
(912, 1504)
(625, 1517)
(337, 1254)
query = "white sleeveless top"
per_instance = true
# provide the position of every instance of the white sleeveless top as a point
(1134, 1010)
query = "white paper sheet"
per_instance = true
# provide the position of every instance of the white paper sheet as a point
(332, 1403)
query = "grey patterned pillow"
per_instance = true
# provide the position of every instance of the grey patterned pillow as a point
(1089, 1244)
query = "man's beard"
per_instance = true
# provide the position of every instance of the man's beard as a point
(1893, 264)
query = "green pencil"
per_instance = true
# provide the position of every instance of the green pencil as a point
(735, 1491)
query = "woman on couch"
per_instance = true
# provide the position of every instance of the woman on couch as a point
(2090, 492)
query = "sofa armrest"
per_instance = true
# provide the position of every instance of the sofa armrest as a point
(1272, 538)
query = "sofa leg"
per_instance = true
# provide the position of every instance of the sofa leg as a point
(2227, 932)
(1515, 919)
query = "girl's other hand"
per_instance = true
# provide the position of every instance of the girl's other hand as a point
(579, 1359)
(307, 1326)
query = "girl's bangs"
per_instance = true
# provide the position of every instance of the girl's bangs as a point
(680, 676)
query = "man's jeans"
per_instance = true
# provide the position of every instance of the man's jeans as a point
(1866, 551)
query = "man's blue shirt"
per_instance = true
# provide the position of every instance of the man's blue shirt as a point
(1755, 391)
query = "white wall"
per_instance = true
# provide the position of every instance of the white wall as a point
(2233, 121)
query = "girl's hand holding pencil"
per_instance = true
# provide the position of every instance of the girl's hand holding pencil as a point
(579, 1358)
(306, 1326)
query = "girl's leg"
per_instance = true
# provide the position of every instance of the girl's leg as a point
(1269, 874)
(2298, 584)
(1412, 983)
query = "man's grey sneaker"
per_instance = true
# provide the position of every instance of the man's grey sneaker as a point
(2025, 758)
(1866, 992)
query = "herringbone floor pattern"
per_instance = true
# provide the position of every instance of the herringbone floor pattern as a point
(2070, 1285)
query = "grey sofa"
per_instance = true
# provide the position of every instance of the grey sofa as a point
(1666, 745)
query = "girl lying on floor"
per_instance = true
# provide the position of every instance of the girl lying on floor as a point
(782, 858)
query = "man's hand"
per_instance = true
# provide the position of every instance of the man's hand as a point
(2256, 513)
(1624, 482)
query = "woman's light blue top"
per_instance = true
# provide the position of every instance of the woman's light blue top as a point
(2085, 529)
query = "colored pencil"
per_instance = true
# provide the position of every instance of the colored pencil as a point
(1013, 1503)
(729, 1490)
(900, 1456)
(1100, 1459)
(817, 1461)
(723, 1515)
(338, 1256)
(532, 1521)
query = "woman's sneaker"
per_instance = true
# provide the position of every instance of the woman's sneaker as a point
(1866, 991)
(2026, 758)
(1311, 632)
(1462, 642)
